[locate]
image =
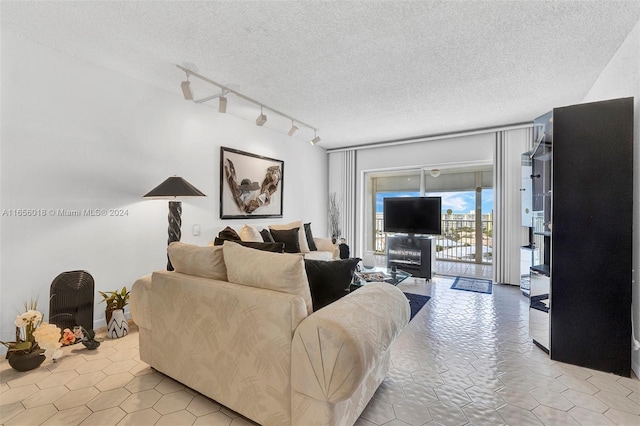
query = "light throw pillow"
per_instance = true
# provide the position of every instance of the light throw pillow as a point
(329, 280)
(190, 259)
(302, 237)
(273, 271)
(309, 234)
(250, 233)
(289, 237)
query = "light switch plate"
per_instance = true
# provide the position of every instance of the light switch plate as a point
(196, 230)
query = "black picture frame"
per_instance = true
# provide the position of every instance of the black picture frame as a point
(251, 185)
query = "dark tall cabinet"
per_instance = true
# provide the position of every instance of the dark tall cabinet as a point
(590, 235)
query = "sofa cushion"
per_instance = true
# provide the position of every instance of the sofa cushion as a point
(272, 247)
(289, 237)
(190, 259)
(302, 237)
(329, 280)
(280, 272)
(250, 233)
(309, 235)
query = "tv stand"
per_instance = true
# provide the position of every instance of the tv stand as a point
(412, 253)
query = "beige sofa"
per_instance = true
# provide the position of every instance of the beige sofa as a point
(236, 324)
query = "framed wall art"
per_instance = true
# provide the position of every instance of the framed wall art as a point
(251, 186)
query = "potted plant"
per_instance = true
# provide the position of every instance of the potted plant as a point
(114, 300)
(35, 340)
(117, 325)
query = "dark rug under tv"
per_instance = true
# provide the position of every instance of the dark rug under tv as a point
(473, 284)
(416, 302)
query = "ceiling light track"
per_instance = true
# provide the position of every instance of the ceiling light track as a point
(188, 95)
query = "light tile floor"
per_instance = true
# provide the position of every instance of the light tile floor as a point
(462, 269)
(465, 358)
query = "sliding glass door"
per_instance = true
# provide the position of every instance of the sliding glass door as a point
(467, 209)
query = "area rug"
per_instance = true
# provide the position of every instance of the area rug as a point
(472, 284)
(416, 302)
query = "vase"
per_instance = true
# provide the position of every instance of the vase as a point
(369, 260)
(118, 325)
(91, 344)
(26, 362)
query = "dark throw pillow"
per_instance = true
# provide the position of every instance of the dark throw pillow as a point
(266, 236)
(229, 233)
(307, 231)
(289, 237)
(272, 247)
(329, 280)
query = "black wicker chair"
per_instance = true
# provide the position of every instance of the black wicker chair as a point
(71, 300)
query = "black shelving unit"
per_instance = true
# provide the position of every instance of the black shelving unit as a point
(589, 235)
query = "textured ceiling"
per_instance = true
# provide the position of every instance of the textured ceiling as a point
(361, 71)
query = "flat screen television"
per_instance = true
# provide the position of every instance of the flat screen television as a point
(413, 215)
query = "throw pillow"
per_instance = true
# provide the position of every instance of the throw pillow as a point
(250, 233)
(229, 233)
(266, 236)
(289, 237)
(310, 242)
(279, 272)
(304, 247)
(329, 280)
(272, 247)
(190, 259)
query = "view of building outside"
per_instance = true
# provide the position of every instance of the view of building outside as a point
(459, 240)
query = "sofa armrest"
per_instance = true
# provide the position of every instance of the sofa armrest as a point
(336, 347)
(139, 302)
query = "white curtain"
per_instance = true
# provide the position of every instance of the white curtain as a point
(342, 182)
(508, 233)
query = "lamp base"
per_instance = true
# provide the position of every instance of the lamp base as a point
(175, 222)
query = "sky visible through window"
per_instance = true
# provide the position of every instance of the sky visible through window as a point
(458, 202)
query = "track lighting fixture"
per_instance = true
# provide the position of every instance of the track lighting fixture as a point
(293, 129)
(186, 89)
(315, 139)
(261, 118)
(222, 103)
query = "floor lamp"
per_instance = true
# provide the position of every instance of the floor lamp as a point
(172, 188)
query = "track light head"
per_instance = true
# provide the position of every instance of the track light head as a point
(187, 92)
(261, 118)
(222, 105)
(293, 129)
(315, 139)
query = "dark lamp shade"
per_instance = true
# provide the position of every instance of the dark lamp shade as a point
(174, 186)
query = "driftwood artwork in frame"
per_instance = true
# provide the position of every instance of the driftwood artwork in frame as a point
(251, 186)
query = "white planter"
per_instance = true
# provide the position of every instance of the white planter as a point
(118, 325)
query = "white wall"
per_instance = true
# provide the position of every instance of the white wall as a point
(621, 78)
(78, 136)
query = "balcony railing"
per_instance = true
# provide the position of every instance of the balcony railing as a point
(458, 242)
